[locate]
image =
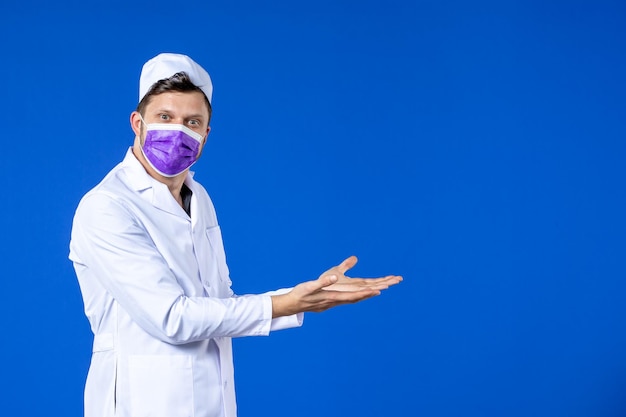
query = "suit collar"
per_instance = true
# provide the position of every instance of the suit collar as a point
(151, 189)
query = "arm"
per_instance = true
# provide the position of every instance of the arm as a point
(110, 246)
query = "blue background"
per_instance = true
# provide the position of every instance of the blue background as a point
(476, 148)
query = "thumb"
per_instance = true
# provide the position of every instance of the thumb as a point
(310, 287)
(327, 280)
(347, 263)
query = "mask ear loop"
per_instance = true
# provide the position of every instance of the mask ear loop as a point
(141, 128)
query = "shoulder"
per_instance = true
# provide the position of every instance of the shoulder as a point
(103, 208)
(112, 194)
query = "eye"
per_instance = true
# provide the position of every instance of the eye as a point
(194, 122)
(164, 116)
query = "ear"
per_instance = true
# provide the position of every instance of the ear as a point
(208, 129)
(135, 123)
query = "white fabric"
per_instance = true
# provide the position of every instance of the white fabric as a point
(157, 293)
(173, 127)
(165, 65)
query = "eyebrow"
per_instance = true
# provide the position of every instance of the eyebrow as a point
(195, 116)
(169, 111)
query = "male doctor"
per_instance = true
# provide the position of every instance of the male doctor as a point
(148, 254)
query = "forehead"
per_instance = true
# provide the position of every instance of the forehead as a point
(179, 103)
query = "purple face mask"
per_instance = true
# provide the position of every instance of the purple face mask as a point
(170, 148)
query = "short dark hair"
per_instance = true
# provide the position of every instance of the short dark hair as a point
(177, 82)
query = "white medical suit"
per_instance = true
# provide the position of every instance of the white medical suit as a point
(158, 296)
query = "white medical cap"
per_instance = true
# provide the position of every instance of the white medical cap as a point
(165, 65)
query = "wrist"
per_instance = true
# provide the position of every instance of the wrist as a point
(280, 305)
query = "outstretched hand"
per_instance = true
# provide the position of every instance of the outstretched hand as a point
(331, 289)
(347, 284)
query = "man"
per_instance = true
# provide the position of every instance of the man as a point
(148, 254)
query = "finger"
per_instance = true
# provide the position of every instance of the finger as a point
(347, 264)
(330, 299)
(390, 279)
(340, 297)
(356, 287)
(365, 284)
(387, 281)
